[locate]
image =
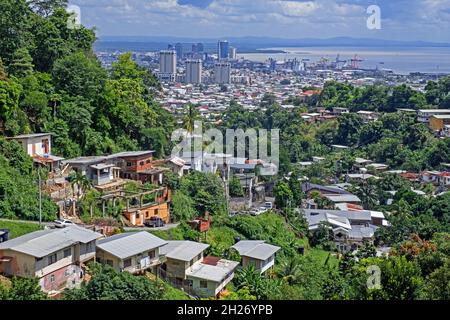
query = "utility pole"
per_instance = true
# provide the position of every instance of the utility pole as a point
(40, 197)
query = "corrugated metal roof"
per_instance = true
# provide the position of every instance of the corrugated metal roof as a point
(44, 242)
(216, 273)
(130, 244)
(343, 198)
(183, 250)
(257, 249)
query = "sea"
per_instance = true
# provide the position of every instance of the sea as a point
(401, 60)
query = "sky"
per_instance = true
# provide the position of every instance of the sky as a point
(426, 20)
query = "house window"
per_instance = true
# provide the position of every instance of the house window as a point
(109, 262)
(148, 161)
(203, 284)
(129, 164)
(151, 254)
(67, 273)
(52, 259)
(67, 252)
(127, 263)
(52, 278)
(141, 163)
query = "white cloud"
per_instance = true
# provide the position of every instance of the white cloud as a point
(284, 18)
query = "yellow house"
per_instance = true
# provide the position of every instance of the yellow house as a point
(438, 122)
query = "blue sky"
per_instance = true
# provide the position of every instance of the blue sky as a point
(427, 20)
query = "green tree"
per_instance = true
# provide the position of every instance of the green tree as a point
(182, 207)
(283, 195)
(25, 289)
(109, 284)
(236, 189)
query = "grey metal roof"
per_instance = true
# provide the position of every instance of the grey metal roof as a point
(313, 215)
(31, 135)
(343, 198)
(183, 250)
(362, 232)
(216, 273)
(131, 154)
(255, 249)
(130, 244)
(86, 160)
(245, 166)
(44, 242)
(310, 186)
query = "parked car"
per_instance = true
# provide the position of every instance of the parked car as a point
(62, 223)
(255, 212)
(268, 205)
(154, 222)
(262, 209)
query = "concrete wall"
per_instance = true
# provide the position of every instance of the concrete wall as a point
(138, 262)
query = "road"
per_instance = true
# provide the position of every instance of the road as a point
(166, 227)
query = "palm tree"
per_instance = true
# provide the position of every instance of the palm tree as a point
(191, 116)
(81, 181)
(290, 271)
(368, 194)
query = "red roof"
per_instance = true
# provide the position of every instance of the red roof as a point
(409, 175)
(311, 92)
(354, 207)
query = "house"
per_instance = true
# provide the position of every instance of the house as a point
(436, 177)
(308, 188)
(139, 166)
(350, 229)
(39, 147)
(339, 111)
(186, 267)
(361, 162)
(343, 198)
(176, 164)
(133, 252)
(424, 115)
(368, 116)
(439, 121)
(377, 167)
(257, 253)
(55, 256)
(103, 173)
(209, 277)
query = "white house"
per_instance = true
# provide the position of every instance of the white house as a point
(257, 253)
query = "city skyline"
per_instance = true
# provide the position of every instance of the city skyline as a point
(401, 20)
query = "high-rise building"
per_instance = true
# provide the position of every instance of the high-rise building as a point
(222, 49)
(200, 47)
(193, 71)
(222, 72)
(232, 53)
(179, 50)
(167, 65)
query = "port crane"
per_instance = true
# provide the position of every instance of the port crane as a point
(355, 62)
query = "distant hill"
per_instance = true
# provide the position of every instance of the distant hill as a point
(251, 44)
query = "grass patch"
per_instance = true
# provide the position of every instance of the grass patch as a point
(321, 256)
(17, 229)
